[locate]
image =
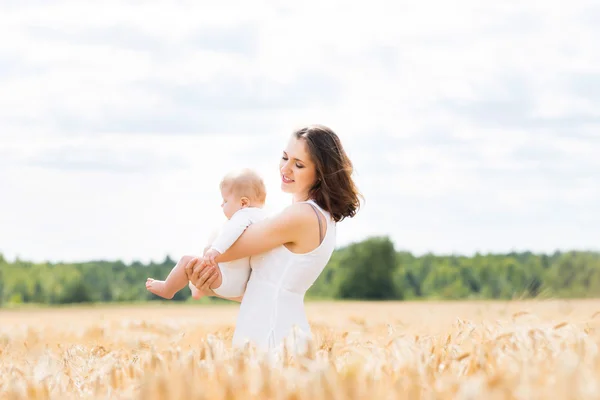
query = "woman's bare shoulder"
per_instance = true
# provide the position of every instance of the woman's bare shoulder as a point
(291, 218)
(297, 211)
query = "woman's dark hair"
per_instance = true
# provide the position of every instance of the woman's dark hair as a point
(334, 189)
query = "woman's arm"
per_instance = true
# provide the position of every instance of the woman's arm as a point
(289, 226)
(286, 227)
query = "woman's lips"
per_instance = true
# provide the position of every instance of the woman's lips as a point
(286, 180)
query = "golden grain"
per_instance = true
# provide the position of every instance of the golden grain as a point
(448, 352)
(561, 325)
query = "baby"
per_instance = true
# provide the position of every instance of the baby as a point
(244, 196)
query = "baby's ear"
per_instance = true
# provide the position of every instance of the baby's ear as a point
(245, 202)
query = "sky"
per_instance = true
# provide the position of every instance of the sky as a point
(472, 126)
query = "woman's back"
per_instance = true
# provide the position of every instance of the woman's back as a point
(274, 299)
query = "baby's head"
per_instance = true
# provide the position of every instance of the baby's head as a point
(241, 189)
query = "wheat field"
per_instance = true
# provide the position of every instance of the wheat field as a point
(392, 350)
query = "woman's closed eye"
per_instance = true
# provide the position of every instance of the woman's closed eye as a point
(284, 158)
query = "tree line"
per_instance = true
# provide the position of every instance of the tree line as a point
(371, 269)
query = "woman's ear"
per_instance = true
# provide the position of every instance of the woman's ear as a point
(245, 202)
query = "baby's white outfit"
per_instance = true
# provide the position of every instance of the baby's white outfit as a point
(235, 274)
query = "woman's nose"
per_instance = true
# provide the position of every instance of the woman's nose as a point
(285, 168)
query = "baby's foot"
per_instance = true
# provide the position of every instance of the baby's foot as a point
(158, 288)
(195, 292)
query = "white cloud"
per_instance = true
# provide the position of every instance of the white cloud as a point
(472, 127)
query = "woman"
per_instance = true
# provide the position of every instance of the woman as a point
(289, 251)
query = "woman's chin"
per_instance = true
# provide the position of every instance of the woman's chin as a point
(286, 188)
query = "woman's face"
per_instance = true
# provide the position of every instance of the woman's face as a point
(298, 173)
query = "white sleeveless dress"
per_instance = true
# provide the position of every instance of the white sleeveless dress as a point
(274, 299)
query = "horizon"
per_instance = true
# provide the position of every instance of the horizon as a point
(416, 255)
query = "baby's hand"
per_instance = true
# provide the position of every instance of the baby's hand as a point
(209, 257)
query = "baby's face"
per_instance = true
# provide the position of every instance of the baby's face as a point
(231, 203)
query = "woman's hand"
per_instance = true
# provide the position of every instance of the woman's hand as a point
(202, 275)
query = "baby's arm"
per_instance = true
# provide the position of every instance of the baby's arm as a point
(231, 231)
(211, 238)
(224, 285)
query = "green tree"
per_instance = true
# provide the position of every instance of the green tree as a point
(1, 282)
(39, 293)
(366, 270)
(324, 286)
(76, 292)
(370, 269)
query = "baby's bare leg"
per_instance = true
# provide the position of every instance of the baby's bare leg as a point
(176, 280)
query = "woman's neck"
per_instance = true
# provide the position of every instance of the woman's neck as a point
(299, 197)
